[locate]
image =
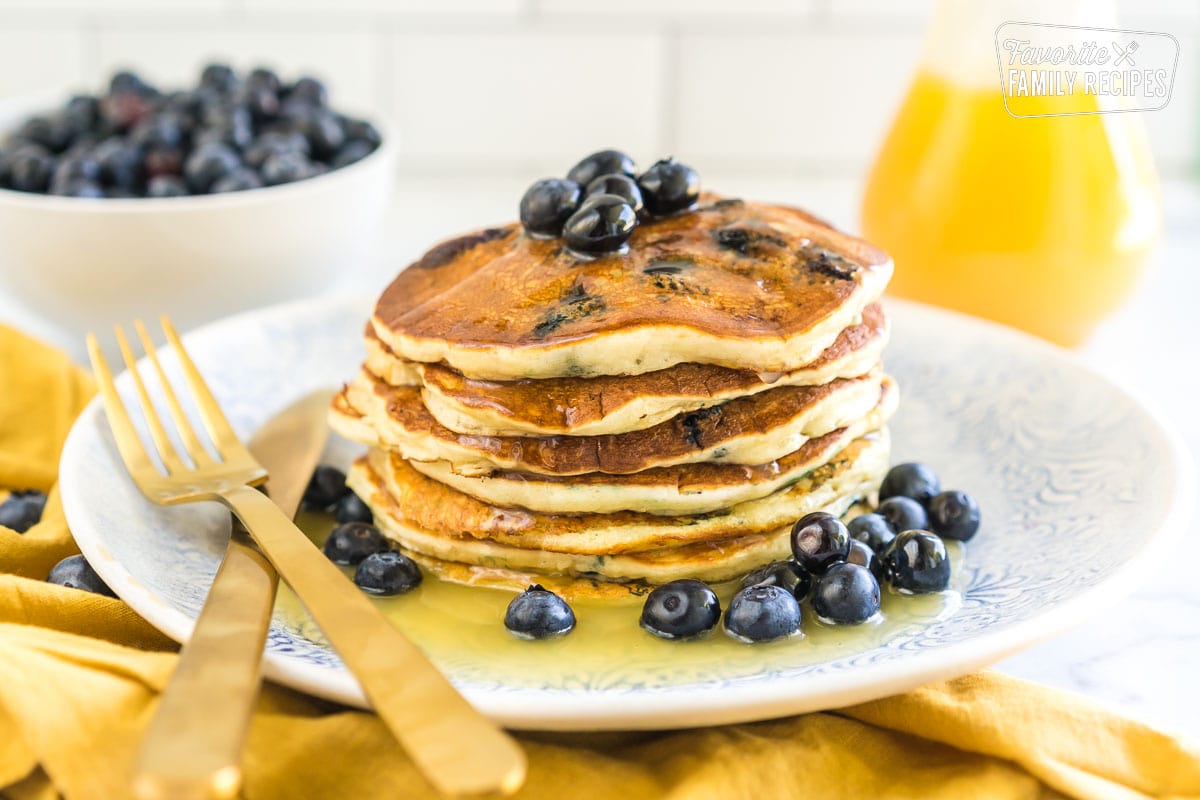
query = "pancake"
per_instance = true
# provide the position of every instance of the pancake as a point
(424, 503)
(668, 491)
(612, 404)
(742, 285)
(749, 430)
(708, 561)
(570, 588)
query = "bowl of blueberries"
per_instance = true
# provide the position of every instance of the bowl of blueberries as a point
(242, 190)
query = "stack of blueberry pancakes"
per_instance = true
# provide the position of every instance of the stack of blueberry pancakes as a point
(600, 424)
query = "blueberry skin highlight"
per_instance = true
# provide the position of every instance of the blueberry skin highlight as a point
(326, 486)
(762, 614)
(954, 515)
(548, 204)
(76, 573)
(872, 530)
(538, 613)
(786, 574)
(603, 223)
(352, 542)
(388, 572)
(847, 594)
(604, 162)
(916, 562)
(819, 539)
(20, 511)
(681, 609)
(917, 481)
(903, 514)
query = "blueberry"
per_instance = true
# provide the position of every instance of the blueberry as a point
(219, 78)
(681, 610)
(120, 162)
(819, 540)
(77, 167)
(161, 130)
(29, 171)
(386, 573)
(285, 168)
(537, 613)
(310, 90)
(166, 186)
(620, 185)
(669, 186)
(916, 562)
(263, 78)
(603, 223)
(785, 574)
(20, 511)
(324, 132)
(275, 143)
(604, 162)
(231, 125)
(864, 556)
(128, 82)
(903, 513)
(51, 131)
(846, 594)
(122, 110)
(209, 164)
(548, 204)
(326, 486)
(82, 112)
(261, 102)
(954, 515)
(872, 530)
(910, 479)
(352, 542)
(351, 151)
(76, 187)
(238, 181)
(361, 129)
(352, 509)
(76, 573)
(163, 161)
(762, 613)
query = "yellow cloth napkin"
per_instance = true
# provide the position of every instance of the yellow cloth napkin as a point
(80, 675)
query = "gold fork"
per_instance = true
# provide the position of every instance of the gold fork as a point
(458, 750)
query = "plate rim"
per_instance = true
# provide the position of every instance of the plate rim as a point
(689, 706)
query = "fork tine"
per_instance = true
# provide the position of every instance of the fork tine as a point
(158, 433)
(187, 433)
(214, 420)
(128, 442)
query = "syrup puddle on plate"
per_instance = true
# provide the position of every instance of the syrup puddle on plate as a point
(461, 628)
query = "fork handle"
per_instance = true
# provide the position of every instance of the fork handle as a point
(192, 749)
(458, 750)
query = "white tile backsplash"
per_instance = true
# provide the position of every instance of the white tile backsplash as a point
(683, 11)
(35, 60)
(821, 100)
(513, 88)
(169, 55)
(540, 97)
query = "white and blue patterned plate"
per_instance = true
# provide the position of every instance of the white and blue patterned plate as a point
(1080, 484)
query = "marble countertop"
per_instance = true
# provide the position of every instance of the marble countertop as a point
(1142, 653)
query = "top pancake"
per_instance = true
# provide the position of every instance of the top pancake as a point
(737, 284)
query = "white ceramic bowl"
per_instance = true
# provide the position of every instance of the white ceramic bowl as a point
(84, 264)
